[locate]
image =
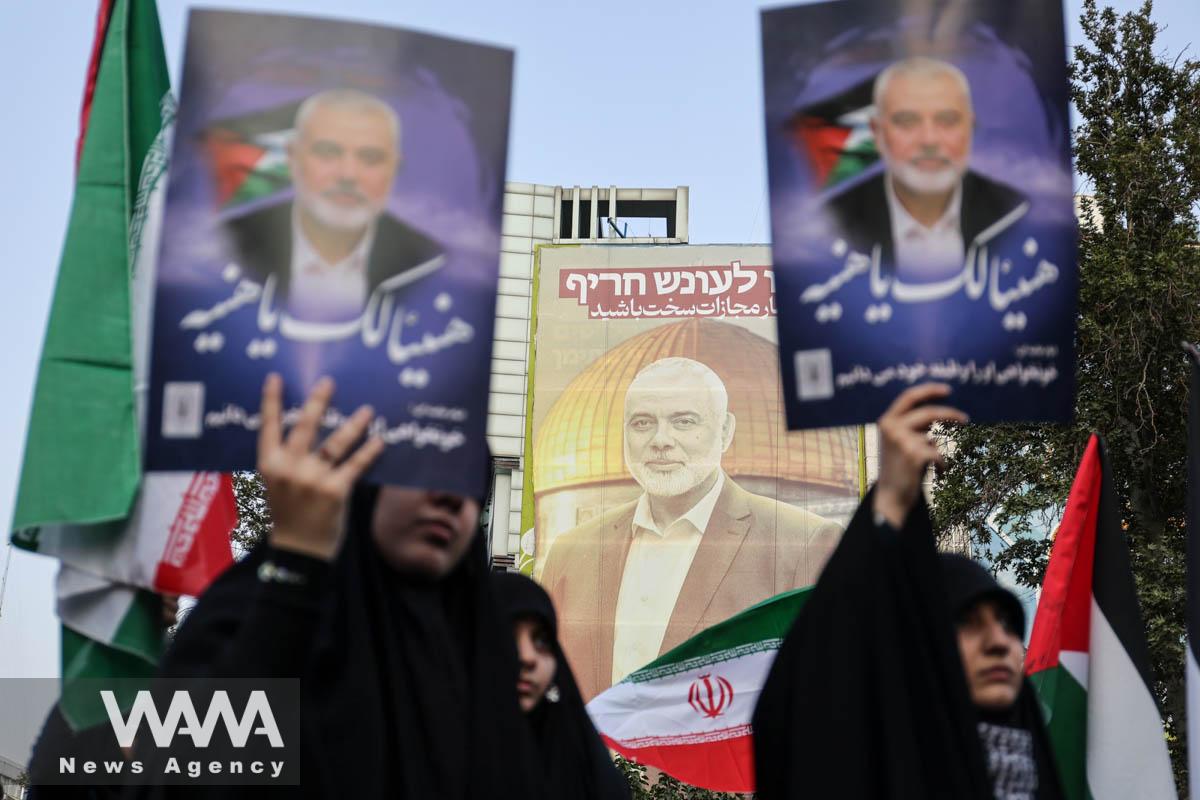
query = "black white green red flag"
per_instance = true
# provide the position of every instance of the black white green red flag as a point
(1191, 659)
(1088, 657)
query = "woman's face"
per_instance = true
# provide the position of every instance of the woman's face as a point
(992, 656)
(421, 532)
(535, 657)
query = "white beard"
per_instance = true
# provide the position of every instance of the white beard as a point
(925, 182)
(922, 181)
(672, 484)
(332, 215)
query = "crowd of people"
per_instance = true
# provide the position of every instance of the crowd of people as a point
(424, 675)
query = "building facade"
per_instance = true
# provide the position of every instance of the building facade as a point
(534, 216)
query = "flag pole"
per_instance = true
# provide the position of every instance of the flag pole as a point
(4, 577)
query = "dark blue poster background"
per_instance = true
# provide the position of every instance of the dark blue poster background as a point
(418, 347)
(864, 312)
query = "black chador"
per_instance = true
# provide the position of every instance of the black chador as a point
(868, 700)
(574, 759)
(409, 684)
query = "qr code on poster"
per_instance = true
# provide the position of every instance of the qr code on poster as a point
(814, 374)
(183, 409)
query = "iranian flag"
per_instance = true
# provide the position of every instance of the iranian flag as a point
(688, 712)
(82, 498)
(1088, 657)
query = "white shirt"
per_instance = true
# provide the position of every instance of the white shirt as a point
(322, 292)
(927, 253)
(657, 564)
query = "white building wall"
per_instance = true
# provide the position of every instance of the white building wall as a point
(528, 221)
(532, 217)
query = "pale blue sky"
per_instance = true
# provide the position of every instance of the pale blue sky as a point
(625, 92)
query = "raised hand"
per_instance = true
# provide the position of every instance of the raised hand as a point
(307, 488)
(906, 450)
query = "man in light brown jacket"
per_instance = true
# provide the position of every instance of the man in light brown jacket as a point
(692, 550)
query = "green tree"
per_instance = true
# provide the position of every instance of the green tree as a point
(254, 517)
(1138, 145)
(665, 788)
(635, 774)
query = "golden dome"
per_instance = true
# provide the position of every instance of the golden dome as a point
(580, 440)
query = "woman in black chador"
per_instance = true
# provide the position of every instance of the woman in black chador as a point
(378, 599)
(902, 677)
(573, 758)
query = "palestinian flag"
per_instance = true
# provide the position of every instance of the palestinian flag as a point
(248, 155)
(688, 712)
(1193, 579)
(1088, 657)
(835, 135)
(82, 497)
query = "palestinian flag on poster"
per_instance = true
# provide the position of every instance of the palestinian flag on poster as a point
(835, 135)
(1088, 658)
(82, 497)
(248, 155)
(688, 712)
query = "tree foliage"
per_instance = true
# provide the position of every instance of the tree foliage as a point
(665, 788)
(254, 517)
(1138, 146)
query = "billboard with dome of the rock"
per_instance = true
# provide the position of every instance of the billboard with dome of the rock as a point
(663, 492)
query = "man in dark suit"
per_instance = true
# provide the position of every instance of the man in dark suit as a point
(927, 208)
(335, 244)
(693, 550)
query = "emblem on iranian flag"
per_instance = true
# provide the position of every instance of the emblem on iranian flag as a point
(710, 695)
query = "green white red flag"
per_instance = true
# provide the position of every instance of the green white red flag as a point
(82, 496)
(688, 712)
(1088, 658)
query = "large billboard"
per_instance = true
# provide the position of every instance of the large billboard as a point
(667, 493)
(921, 206)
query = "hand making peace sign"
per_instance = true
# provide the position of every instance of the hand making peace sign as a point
(307, 488)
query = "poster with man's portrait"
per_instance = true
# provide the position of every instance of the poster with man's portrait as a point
(333, 208)
(921, 206)
(667, 493)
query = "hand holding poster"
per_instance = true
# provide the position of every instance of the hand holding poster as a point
(921, 204)
(333, 209)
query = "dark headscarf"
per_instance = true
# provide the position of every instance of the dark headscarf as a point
(968, 583)
(867, 699)
(410, 683)
(573, 757)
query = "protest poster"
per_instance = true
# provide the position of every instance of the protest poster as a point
(655, 382)
(921, 206)
(333, 208)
